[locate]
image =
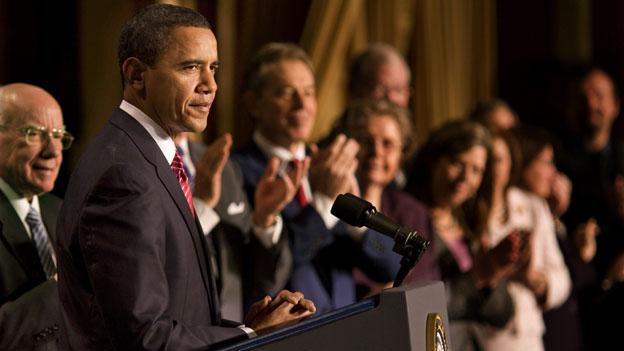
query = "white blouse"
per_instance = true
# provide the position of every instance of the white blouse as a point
(524, 332)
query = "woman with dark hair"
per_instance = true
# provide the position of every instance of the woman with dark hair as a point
(540, 279)
(384, 133)
(452, 176)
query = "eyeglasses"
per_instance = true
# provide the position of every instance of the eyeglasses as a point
(396, 91)
(38, 135)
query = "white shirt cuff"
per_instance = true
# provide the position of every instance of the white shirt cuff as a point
(250, 332)
(268, 237)
(207, 216)
(322, 204)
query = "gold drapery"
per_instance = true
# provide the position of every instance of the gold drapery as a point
(453, 59)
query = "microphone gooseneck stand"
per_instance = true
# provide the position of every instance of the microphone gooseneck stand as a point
(407, 243)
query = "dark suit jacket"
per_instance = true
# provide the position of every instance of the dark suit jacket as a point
(410, 213)
(323, 258)
(247, 270)
(133, 270)
(29, 307)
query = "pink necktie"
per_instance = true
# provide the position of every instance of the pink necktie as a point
(177, 167)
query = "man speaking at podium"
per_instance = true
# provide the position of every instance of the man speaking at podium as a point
(134, 270)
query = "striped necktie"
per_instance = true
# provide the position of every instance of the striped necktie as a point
(177, 167)
(189, 176)
(42, 243)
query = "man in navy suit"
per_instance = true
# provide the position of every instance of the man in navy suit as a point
(134, 272)
(281, 97)
(32, 138)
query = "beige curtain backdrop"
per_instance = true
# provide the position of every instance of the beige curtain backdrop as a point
(453, 59)
(449, 44)
(451, 47)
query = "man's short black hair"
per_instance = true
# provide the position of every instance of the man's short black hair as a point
(147, 35)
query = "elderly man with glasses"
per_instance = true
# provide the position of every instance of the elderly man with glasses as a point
(32, 138)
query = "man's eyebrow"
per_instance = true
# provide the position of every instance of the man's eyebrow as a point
(191, 62)
(198, 62)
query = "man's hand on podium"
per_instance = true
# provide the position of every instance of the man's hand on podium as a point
(270, 314)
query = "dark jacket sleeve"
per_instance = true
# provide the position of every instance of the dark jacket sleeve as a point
(32, 319)
(467, 302)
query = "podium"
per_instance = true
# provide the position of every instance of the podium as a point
(403, 318)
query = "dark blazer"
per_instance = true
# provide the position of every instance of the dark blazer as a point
(247, 270)
(29, 307)
(412, 214)
(323, 259)
(133, 268)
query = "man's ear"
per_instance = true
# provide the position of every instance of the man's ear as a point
(133, 73)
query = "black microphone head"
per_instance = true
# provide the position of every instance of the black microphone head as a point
(352, 209)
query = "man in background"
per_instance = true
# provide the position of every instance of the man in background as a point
(32, 139)
(252, 255)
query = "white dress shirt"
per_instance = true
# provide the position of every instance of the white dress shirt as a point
(321, 202)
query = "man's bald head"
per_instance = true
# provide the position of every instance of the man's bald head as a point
(29, 165)
(20, 99)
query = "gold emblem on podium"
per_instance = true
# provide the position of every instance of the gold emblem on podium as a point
(436, 334)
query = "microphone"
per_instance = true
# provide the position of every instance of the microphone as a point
(407, 243)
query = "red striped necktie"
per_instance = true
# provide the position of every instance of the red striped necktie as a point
(301, 195)
(177, 167)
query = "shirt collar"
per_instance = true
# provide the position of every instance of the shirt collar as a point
(19, 203)
(162, 139)
(272, 150)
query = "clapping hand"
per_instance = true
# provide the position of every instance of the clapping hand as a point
(332, 170)
(274, 192)
(208, 171)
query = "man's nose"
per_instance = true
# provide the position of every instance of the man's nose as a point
(51, 147)
(297, 100)
(208, 83)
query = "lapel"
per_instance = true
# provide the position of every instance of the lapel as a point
(17, 241)
(148, 147)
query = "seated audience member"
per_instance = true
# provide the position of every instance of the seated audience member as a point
(384, 131)
(32, 140)
(452, 176)
(540, 280)
(134, 269)
(280, 95)
(253, 257)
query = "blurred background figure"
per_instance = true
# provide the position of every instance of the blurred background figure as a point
(280, 94)
(32, 140)
(594, 161)
(379, 72)
(495, 113)
(252, 256)
(452, 176)
(383, 131)
(540, 279)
